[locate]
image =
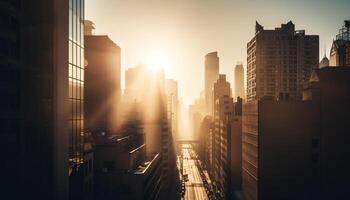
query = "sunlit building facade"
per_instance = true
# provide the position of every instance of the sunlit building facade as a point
(279, 61)
(339, 54)
(211, 74)
(239, 81)
(76, 82)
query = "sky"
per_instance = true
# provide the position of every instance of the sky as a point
(185, 30)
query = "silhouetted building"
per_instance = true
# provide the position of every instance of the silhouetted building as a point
(102, 84)
(172, 105)
(41, 114)
(11, 110)
(279, 62)
(328, 90)
(234, 144)
(123, 170)
(340, 47)
(277, 149)
(205, 149)
(239, 81)
(211, 71)
(293, 149)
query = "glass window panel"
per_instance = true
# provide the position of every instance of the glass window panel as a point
(70, 104)
(70, 71)
(70, 52)
(74, 72)
(70, 23)
(78, 56)
(74, 53)
(74, 94)
(82, 75)
(74, 27)
(82, 59)
(82, 33)
(70, 90)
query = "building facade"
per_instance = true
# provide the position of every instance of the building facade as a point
(102, 84)
(211, 70)
(339, 54)
(279, 61)
(239, 81)
(44, 119)
(277, 155)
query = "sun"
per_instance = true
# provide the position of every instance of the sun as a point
(157, 60)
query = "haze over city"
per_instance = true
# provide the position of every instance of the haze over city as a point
(175, 99)
(185, 30)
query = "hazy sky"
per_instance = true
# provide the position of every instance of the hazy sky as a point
(188, 29)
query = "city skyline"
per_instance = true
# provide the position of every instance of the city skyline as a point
(185, 31)
(146, 100)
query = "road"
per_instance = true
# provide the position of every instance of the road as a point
(195, 189)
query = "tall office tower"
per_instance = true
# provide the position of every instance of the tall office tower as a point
(42, 109)
(221, 152)
(239, 81)
(340, 47)
(153, 113)
(279, 61)
(171, 90)
(102, 84)
(205, 142)
(221, 88)
(134, 78)
(211, 75)
(234, 148)
(222, 108)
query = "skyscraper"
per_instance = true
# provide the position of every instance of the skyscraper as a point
(102, 84)
(239, 81)
(223, 108)
(44, 120)
(211, 75)
(279, 61)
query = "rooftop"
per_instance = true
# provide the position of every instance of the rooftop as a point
(143, 167)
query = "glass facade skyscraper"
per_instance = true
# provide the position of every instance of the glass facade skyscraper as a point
(76, 82)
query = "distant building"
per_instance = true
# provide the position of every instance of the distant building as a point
(152, 108)
(324, 62)
(205, 140)
(239, 81)
(221, 146)
(211, 70)
(339, 55)
(221, 88)
(171, 90)
(279, 61)
(102, 84)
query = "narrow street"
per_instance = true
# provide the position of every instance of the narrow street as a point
(196, 181)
